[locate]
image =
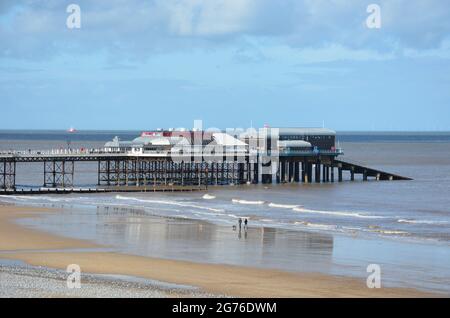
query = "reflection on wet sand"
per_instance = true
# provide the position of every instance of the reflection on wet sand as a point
(177, 238)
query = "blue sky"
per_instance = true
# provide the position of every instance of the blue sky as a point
(163, 63)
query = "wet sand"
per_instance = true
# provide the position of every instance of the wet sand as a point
(43, 249)
(16, 238)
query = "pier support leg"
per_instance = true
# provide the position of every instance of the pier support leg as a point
(182, 173)
(332, 173)
(309, 165)
(249, 173)
(139, 172)
(241, 173)
(296, 171)
(283, 171)
(8, 175)
(266, 175)
(98, 173)
(108, 172)
(339, 174)
(328, 173)
(256, 172)
(58, 173)
(304, 174)
(291, 171)
(317, 177)
(278, 173)
(352, 174)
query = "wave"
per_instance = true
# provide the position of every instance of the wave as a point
(234, 216)
(19, 197)
(208, 196)
(350, 230)
(283, 206)
(339, 213)
(394, 232)
(247, 202)
(412, 221)
(36, 198)
(187, 205)
(316, 225)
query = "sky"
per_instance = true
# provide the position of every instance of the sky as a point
(232, 63)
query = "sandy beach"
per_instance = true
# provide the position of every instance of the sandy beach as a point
(42, 249)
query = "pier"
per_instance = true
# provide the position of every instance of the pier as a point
(156, 162)
(129, 173)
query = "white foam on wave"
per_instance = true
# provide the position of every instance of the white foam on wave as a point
(351, 228)
(247, 202)
(234, 216)
(208, 197)
(392, 232)
(154, 209)
(317, 225)
(348, 230)
(19, 197)
(338, 213)
(36, 198)
(175, 203)
(283, 206)
(412, 221)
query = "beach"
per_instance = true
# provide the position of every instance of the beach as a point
(37, 248)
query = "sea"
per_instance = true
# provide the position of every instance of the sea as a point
(404, 225)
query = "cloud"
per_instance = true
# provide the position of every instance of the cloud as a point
(137, 29)
(208, 18)
(417, 24)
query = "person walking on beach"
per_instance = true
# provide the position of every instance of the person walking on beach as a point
(240, 223)
(245, 223)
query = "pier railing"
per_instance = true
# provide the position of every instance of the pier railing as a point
(59, 152)
(318, 152)
(107, 151)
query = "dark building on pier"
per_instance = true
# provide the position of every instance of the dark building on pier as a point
(319, 138)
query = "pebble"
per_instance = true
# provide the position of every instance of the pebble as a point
(25, 281)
